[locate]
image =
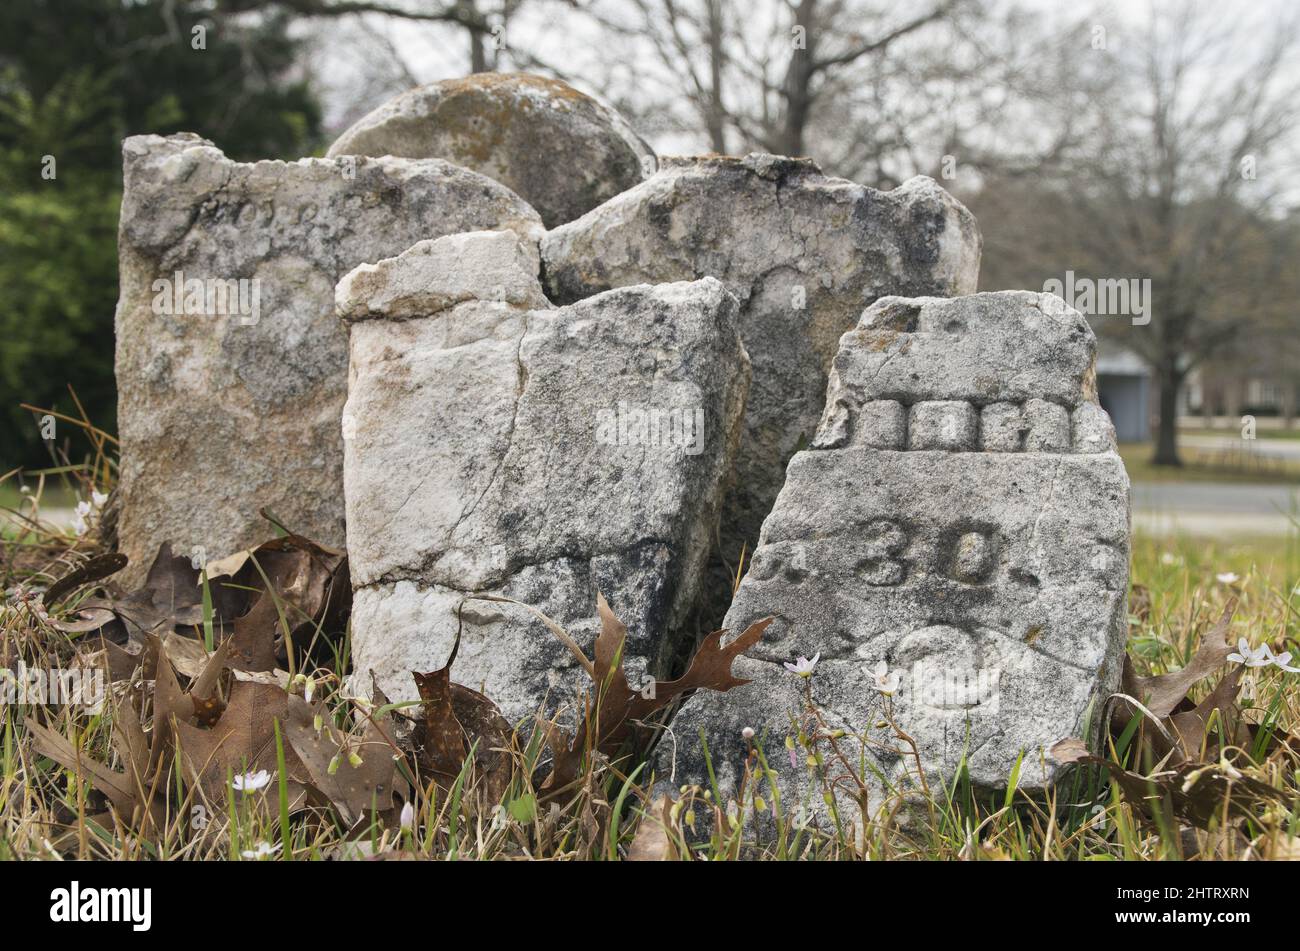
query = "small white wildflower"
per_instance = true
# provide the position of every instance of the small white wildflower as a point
(79, 525)
(98, 498)
(407, 818)
(885, 682)
(1283, 660)
(261, 851)
(251, 782)
(1169, 558)
(747, 733)
(1227, 577)
(1259, 657)
(803, 666)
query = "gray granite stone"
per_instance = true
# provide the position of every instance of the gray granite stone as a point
(562, 151)
(802, 252)
(231, 363)
(498, 445)
(993, 583)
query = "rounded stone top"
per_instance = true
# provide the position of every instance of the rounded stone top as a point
(560, 150)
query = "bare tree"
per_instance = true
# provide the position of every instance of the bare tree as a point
(483, 23)
(1181, 177)
(1158, 143)
(761, 76)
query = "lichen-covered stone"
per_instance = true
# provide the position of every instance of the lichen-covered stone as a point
(993, 582)
(231, 363)
(497, 445)
(564, 152)
(803, 253)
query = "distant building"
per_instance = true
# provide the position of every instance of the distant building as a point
(1217, 393)
(1125, 390)
(1235, 388)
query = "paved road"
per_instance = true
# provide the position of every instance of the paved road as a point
(1215, 509)
(1207, 509)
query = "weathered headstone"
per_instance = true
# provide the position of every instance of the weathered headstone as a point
(562, 151)
(497, 445)
(962, 518)
(231, 363)
(803, 253)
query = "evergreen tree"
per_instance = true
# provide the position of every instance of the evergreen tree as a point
(76, 77)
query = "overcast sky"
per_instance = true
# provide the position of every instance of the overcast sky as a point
(359, 73)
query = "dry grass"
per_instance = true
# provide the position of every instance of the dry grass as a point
(47, 811)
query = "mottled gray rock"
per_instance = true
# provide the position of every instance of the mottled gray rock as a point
(562, 151)
(991, 576)
(234, 403)
(803, 253)
(497, 445)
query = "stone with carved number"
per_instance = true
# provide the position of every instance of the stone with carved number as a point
(961, 522)
(496, 445)
(803, 252)
(231, 363)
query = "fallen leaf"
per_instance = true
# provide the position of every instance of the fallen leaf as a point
(490, 735)
(131, 792)
(95, 569)
(241, 741)
(1162, 693)
(439, 737)
(187, 655)
(119, 788)
(618, 711)
(455, 720)
(86, 619)
(651, 842)
(301, 587)
(1219, 707)
(284, 591)
(1199, 793)
(327, 755)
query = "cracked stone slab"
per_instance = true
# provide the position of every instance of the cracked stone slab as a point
(803, 253)
(991, 575)
(498, 445)
(562, 151)
(232, 400)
